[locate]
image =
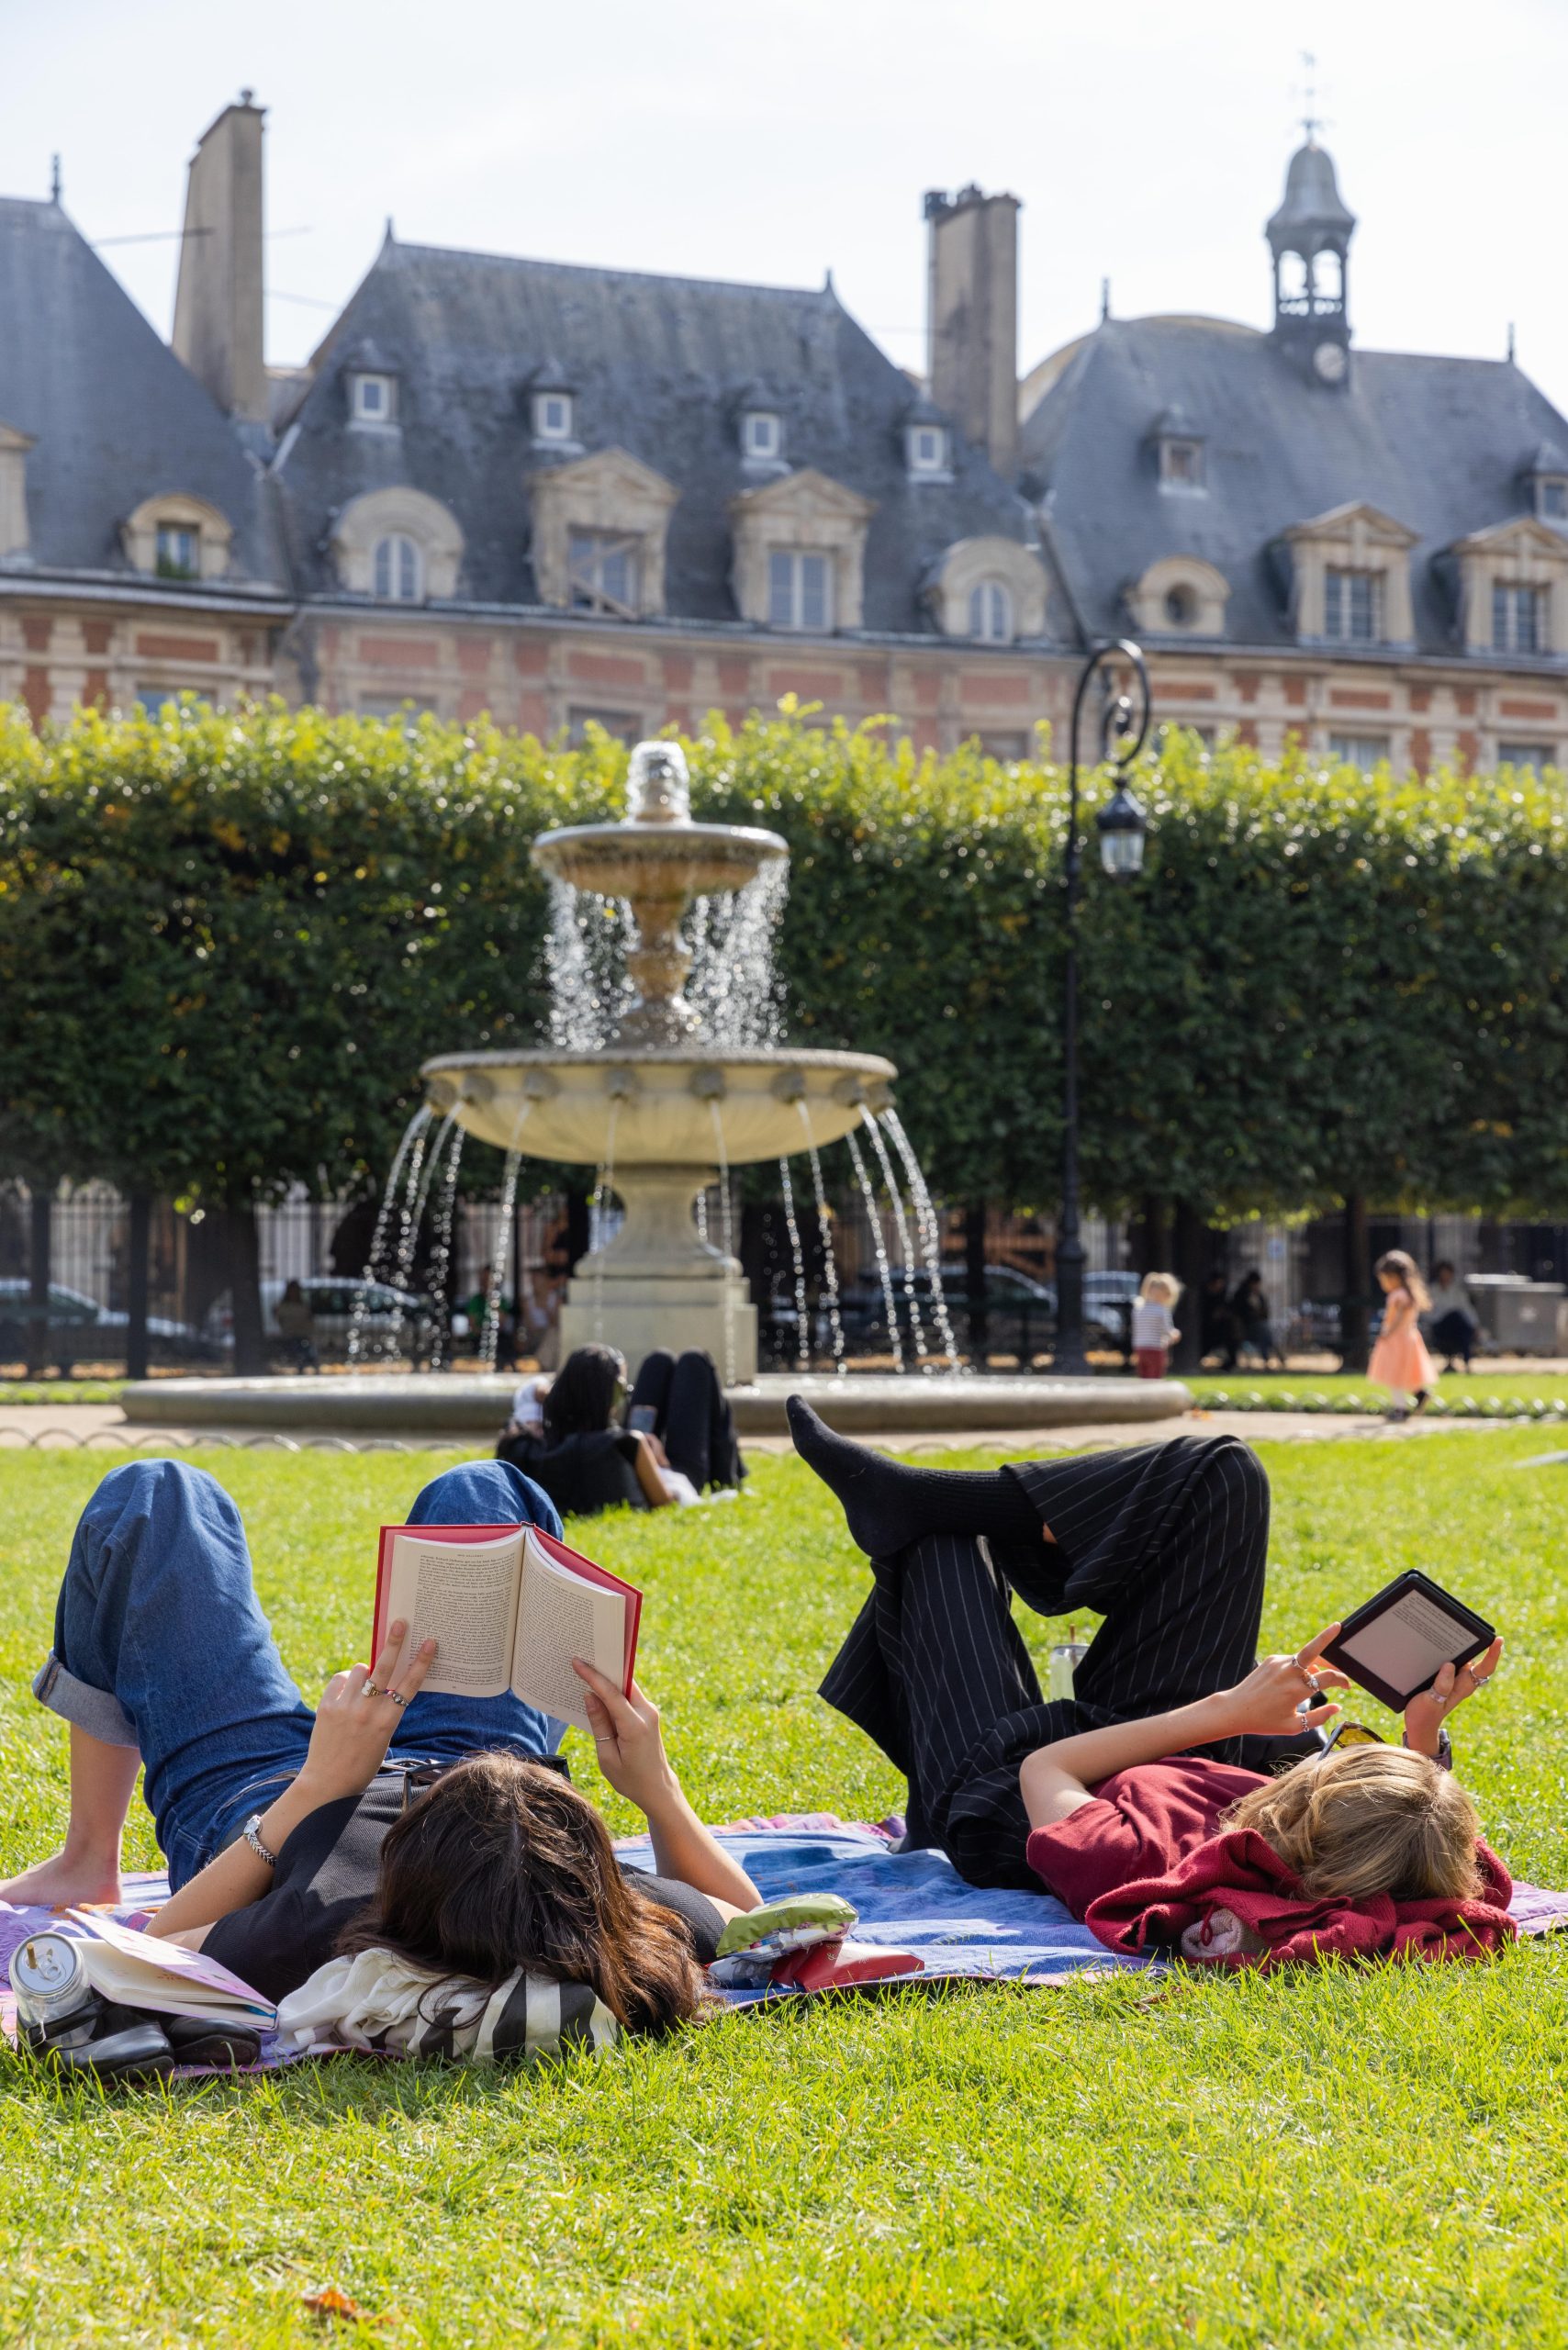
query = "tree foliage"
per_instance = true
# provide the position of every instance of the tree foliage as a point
(227, 941)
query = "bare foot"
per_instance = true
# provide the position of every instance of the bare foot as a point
(64, 1882)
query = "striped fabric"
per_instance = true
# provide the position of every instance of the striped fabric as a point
(376, 2001)
(1167, 1541)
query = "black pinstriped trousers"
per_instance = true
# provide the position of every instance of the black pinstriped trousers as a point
(1168, 1542)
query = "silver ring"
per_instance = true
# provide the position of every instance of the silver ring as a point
(396, 1700)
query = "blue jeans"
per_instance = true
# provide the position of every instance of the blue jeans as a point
(160, 1643)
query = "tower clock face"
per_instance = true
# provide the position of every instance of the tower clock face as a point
(1331, 361)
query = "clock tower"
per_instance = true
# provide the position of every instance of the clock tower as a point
(1309, 238)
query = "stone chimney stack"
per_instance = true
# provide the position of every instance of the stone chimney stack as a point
(218, 300)
(972, 318)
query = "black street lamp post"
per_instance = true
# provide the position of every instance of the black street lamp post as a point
(1120, 825)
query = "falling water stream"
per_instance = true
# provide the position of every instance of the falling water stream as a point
(501, 1256)
(802, 1330)
(929, 1230)
(727, 1228)
(910, 1272)
(599, 1217)
(830, 1267)
(884, 1270)
(414, 1132)
(441, 1254)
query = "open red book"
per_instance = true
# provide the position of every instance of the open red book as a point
(510, 1608)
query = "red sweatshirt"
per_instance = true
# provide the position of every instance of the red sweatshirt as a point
(1145, 1861)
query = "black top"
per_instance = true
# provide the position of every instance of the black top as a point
(326, 1875)
(583, 1474)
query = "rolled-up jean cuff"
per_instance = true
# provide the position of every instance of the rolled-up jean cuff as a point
(97, 1711)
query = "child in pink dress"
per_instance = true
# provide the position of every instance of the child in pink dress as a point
(1400, 1361)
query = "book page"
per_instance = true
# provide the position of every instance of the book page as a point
(1406, 1646)
(561, 1616)
(463, 1595)
(142, 1971)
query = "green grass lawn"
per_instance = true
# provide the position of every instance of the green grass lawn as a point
(1550, 1386)
(1340, 2158)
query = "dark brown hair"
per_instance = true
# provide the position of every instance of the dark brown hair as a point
(581, 1398)
(503, 1864)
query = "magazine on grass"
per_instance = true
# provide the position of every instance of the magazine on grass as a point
(142, 1971)
(509, 1607)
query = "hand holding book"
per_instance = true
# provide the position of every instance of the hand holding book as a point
(627, 1738)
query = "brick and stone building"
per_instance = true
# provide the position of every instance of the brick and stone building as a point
(564, 495)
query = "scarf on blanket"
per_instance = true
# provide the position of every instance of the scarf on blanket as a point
(1233, 1902)
(375, 2000)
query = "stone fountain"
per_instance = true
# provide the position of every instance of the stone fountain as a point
(659, 1107)
(661, 1104)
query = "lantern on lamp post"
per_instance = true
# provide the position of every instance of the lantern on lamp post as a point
(1121, 826)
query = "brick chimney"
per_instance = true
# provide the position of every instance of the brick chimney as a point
(218, 300)
(972, 318)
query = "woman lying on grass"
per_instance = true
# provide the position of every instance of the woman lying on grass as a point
(1142, 1802)
(442, 1828)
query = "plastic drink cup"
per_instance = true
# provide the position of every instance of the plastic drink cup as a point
(1066, 1657)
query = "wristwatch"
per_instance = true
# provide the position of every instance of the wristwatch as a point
(251, 1832)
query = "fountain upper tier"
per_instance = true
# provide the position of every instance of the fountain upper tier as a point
(653, 1108)
(657, 861)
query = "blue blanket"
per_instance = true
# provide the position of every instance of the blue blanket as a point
(914, 1901)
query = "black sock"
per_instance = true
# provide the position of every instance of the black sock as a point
(887, 1505)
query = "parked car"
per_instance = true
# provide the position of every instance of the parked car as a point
(167, 1341)
(72, 1314)
(393, 1323)
(1020, 1312)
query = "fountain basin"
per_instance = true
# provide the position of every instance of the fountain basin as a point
(656, 1107)
(415, 1406)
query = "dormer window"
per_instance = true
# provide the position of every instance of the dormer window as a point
(1180, 465)
(372, 398)
(762, 435)
(1551, 496)
(925, 447)
(990, 612)
(178, 554)
(1353, 606)
(398, 570)
(553, 416)
(1519, 617)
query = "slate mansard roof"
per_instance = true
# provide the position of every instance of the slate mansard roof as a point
(1438, 444)
(114, 417)
(659, 367)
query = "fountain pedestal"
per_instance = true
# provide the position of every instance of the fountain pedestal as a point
(658, 1283)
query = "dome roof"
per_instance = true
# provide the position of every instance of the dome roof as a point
(1313, 211)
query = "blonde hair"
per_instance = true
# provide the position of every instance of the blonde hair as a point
(1403, 1268)
(1160, 1289)
(1370, 1820)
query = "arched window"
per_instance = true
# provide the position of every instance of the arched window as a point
(990, 612)
(398, 569)
(1181, 605)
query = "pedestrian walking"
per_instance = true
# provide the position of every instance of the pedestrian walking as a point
(1400, 1361)
(1249, 1314)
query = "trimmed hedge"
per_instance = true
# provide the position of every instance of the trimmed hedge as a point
(226, 940)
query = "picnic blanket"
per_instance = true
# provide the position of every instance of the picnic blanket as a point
(906, 1901)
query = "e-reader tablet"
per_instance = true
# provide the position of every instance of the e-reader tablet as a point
(1395, 1646)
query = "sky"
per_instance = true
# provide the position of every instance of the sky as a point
(1148, 143)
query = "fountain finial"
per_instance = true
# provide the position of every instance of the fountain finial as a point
(658, 788)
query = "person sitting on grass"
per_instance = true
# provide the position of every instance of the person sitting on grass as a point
(678, 1438)
(1144, 1802)
(441, 1827)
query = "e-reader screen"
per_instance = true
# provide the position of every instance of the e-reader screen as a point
(1400, 1640)
(1408, 1645)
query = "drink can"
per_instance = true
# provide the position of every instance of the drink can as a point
(1065, 1659)
(50, 1981)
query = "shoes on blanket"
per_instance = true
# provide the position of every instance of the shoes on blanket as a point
(801, 1943)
